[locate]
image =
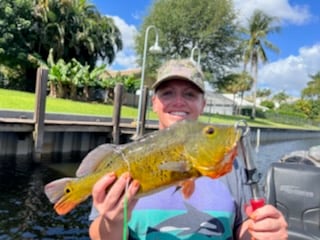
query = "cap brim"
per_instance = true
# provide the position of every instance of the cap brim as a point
(156, 85)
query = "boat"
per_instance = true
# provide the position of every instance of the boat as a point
(291, 185)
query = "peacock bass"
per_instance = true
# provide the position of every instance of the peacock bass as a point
(187, 149)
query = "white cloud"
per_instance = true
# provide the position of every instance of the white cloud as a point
(292, 73)
(295, 14)
(126, 58)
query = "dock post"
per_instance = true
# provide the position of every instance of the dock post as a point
(145, 99)
(140, 128)
(39, 112)
(118, 92)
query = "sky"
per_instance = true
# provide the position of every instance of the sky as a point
(298, 41)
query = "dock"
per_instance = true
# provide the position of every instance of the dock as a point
(43, 136)
(63, 135)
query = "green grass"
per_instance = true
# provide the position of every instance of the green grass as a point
(17, 100)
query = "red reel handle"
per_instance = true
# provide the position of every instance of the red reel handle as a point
(257, 203)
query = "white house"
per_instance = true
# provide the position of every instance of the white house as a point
(218, 103)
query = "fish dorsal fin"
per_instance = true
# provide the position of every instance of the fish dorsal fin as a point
(178, 166)
(93, 159)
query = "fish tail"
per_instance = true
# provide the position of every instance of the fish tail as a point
(55, 189)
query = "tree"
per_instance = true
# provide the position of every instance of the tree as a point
(312, 91)
(280, 97)
(237, 83)
(260, 26)
(263, 93)
(312, 94)
(304, 106)
(267, 103)
(13, 41)
(208, 24)
(74, 29)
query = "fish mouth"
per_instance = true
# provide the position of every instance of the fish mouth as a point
(64, 207)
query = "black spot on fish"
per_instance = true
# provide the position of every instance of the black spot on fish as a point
(210, 130)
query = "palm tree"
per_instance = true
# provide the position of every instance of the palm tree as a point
(280, 97)
(237, 83)
(75, 29)
(312, 91)
(260, 25)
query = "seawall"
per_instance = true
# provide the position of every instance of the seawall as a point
(70, 137)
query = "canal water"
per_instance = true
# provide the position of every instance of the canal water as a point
(25, 212)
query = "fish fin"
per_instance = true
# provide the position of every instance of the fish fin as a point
(176, 189)
(187, 187)
(55, 189)
(92, 160)
(179, 166)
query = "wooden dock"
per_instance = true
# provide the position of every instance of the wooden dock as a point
(42, 135)
(63, 135)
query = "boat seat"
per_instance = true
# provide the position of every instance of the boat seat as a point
(294, 189)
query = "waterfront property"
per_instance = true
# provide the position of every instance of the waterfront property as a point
(42, 135)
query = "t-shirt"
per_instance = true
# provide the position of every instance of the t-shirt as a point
(214, 210)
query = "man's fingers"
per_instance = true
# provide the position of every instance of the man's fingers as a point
(248, 209)
(116, 192)
(99, 189)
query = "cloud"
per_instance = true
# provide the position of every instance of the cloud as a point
(292, 73)
(292, 14)
(126, 58)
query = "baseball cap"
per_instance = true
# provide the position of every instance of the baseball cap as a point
(184, 69)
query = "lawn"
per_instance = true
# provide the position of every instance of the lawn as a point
(17, 100)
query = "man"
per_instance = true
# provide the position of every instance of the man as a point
(216, 208)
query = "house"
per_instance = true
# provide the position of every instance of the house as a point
(217, 103)
(226, 103)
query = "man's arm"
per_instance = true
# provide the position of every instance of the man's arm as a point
(110, 206)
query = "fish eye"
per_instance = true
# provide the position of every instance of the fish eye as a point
(209, 130)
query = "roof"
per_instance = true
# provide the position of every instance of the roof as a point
(228, 99)
(243, 102)
(126, 72)
(218, 98)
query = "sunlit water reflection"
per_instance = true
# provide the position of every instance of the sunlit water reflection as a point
(26, 213)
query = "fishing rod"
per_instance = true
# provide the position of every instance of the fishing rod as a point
(253, 177)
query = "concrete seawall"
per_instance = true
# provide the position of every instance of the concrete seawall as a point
(280, 134)
(66, 137)
(70, 141)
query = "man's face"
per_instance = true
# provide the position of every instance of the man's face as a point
(177, 100)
